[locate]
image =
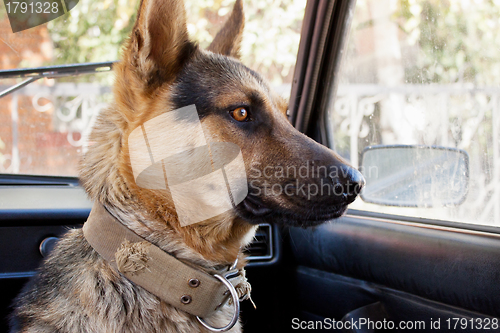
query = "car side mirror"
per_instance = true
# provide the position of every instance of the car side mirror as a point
(415, 176)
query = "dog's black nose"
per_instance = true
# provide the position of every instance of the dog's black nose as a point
(353, 183)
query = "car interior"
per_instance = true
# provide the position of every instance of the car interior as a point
(378, 266)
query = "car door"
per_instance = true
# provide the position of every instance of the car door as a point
(405, 74)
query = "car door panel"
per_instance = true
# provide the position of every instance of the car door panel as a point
(415, 272)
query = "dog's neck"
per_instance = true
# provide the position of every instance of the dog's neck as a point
(160, 273)
(106, 176)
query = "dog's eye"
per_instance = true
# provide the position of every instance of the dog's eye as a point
(240, 114)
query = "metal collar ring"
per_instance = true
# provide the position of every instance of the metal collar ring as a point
(236, 304)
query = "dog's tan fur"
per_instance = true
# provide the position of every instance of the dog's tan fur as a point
(137, 75)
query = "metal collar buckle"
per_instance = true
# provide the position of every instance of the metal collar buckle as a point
(234, 272)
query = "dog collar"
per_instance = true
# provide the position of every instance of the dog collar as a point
(179, 284)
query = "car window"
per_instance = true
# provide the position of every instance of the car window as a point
(425, 73)
(44, 126)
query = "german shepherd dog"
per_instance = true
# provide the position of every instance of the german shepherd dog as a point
(161, 69)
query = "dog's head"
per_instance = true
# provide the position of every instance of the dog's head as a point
(291, 179)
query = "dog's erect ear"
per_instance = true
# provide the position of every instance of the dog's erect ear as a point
(159, 44)
(228, 39)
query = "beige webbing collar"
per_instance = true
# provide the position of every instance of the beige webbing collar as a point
(179, 284)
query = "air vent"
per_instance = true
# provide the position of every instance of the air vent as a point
(261, 247)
